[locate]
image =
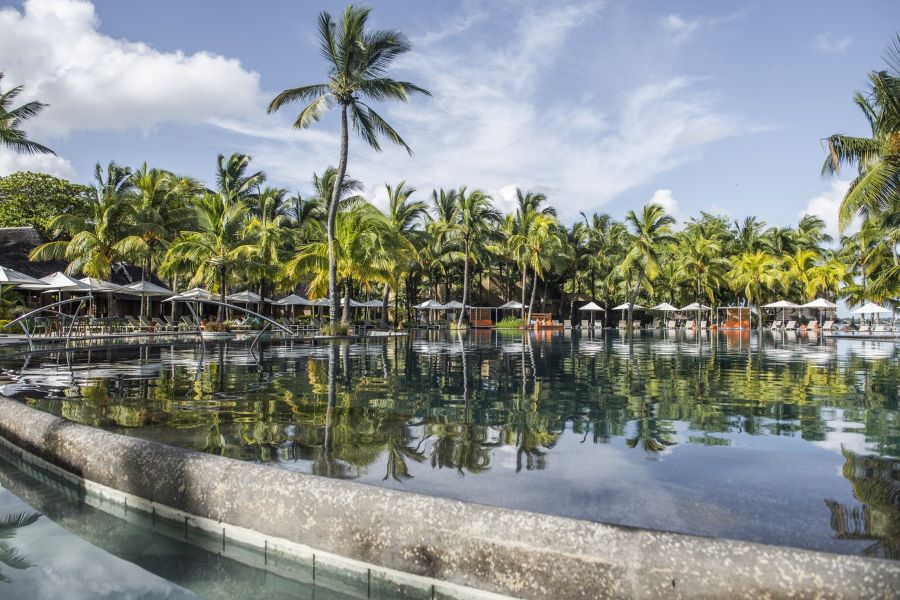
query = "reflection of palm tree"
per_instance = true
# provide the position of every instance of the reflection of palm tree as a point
(653, 434)
(9, 556)
(876, 483)
(460, 446)
(399, 450)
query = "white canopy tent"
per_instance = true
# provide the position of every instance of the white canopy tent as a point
(783, 305)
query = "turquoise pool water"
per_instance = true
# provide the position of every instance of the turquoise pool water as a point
(775, 438)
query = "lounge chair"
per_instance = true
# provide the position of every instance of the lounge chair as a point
(776, 325)
(636, 325)
(622, 324)
(567, 324)
(132, 325)
(585, 323)
(172, 325)
(690, 324)
(791, 326)
(704, 324)
(813, 325)
(671, 325)
(881, 329)
(187, 324)
(828, 326)
(864, 329)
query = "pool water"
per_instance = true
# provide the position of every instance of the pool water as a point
(775, 438)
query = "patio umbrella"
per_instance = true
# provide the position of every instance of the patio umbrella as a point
(696, 306)
(664, 308)
(820, 304)
(512, 305)
(870, 308)
(592, 308)
(453, 305)
(373, 304)
(146, 290)
(624, 306)
(11, 278)
(429, 305)
(102, 286)
(59, 282)
(783, 305)
(294, 300)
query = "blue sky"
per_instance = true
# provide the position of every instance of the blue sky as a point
(604, 106)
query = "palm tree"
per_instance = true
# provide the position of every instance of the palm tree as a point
(9, 555)
(220, 243)
(404, 215)
(799, 269)
(358, 61)
(11, 121)
(267, 226)
(232, 180)
(649, 233)
(474, 223)
(97, 235)
(542, 244)
(753, 272)
(877, 184)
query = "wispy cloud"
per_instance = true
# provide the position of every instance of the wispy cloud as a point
(683, 28)
(827, 43)
(494, 122)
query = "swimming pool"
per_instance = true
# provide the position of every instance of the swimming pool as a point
(775, 438)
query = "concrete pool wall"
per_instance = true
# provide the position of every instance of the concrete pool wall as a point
(466, 546)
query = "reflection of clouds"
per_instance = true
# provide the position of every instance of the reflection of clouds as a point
(69, 567)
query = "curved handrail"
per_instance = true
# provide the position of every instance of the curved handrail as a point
(240, 308)
(42, 309)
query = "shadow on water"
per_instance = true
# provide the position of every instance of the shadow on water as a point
(660, 429)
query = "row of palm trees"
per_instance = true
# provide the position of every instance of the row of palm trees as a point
(454, 245)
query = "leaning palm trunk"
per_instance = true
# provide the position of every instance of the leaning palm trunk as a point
(524, 283)
(332, 215)
(222, 295)
(346, 314)
(534, 285)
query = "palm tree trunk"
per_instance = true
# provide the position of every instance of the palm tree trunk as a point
(384, 305)
(332, 214)
(465, 295)
(634, 295)
(221, 294)
(346, 316)
(534, 285)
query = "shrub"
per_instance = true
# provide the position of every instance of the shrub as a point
(336, 329)
(216, 326)
(510, 323)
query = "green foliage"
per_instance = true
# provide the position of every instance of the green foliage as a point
(36, 198)
(510, 323)
(335, 329)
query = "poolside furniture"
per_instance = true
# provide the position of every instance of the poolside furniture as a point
(881, 329)
(585, 323)
(131, 324)
(704, 324)
(636, 325)
(186, 323)
(172, 325)
(598, 324)
(776, 325)
(791, 326)
(567, 324)
(812, 324)
(828, 326)
(864, 329)
(690, 324)
(622, 323)
(671, 325)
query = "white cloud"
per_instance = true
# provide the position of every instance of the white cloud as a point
(683, 29)
(95, 82)
(493, 122)
(831, 44)
(827, 205)
(10, 162)
(664, 198)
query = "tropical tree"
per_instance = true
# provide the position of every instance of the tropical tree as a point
(220, 242)
(405, 216)
(648, 234)
(96, 234)
(233, 181)
(543, 244)
(475, 222)
(358, 60)
(12, 119)
(752, 273)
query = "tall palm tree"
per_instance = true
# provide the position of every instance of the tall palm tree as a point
(405, 216)
(96, 235)
(358, 60)
(219, 244)
(11, 120)
(649, 233)
(542, 243)
(233, 181)
(267, 226)
(474, 224)
(799, 270)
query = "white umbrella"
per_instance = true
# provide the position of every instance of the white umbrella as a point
(665, 307)
(12, 278)
(198, 293)
(294, 300)
(624, 306)
(146, 289)
(59, 282)
(783, 305)
(100, 285)
(429, 305)
(870, 308)
(374, 304)
(512, 305)
(453, 305)
(820, 304)
(245, 297)
(592, 307)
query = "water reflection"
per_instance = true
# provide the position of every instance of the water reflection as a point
(728, 429)
(9, 555)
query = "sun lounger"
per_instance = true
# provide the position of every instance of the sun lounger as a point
(187, 323)
(776, 325)
(567, 324)
(172, 325)
(828, 326)
(864, 329)
(622, 324)
(671, 325)
(791, 326)
(813, 324)
(704, 325)
(881, 329)
(585, 323)
(132, 325)
(690, 325)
